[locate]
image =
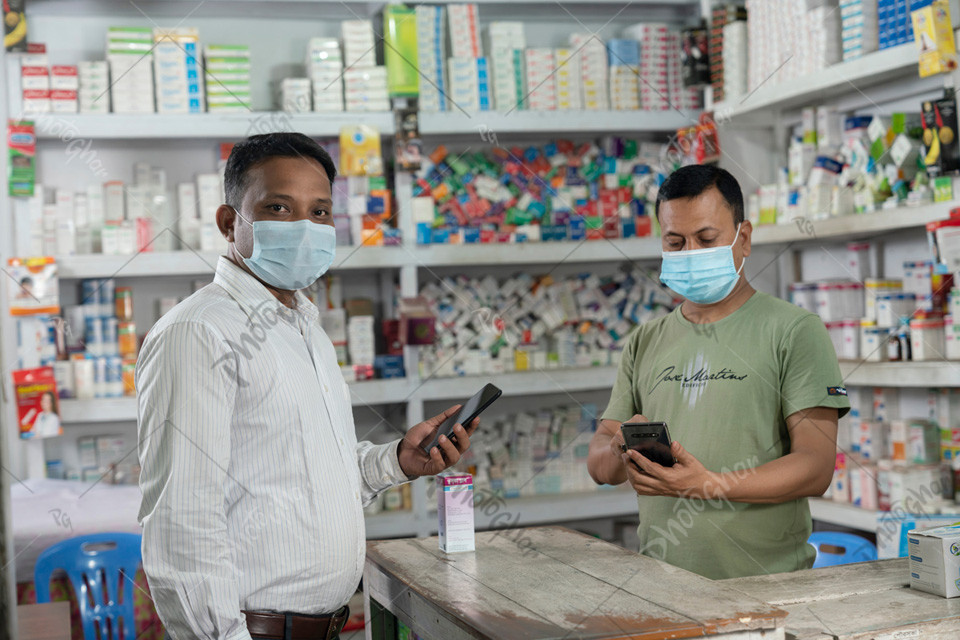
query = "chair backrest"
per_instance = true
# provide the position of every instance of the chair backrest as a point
(835, 547)
(101, 568)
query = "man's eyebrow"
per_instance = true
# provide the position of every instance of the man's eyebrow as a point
(701, 230)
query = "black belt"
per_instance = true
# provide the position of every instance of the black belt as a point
(295, 626)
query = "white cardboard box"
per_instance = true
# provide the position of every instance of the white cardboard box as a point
(935, 560)
(455, 511)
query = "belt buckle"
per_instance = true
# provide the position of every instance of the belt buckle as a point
(337, 621)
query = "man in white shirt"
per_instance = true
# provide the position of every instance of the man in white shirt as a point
(253, 480)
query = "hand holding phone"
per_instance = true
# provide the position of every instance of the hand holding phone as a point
(649, 439)
(472, 408)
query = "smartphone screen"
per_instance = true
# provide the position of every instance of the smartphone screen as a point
(649, 439)
(470, 410)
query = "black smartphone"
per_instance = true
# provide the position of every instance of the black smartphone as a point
(650, 439)
(470, 410)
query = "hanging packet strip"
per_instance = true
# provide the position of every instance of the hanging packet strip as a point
(22, 151)
(38, 414)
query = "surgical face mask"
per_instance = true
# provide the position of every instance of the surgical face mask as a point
(703, 276)
(290, 255)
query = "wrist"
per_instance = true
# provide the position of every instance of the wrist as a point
(716, 486)
(401, 444)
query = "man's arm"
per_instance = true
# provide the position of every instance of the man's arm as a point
(605, 459)
(805, 471)
(186, 388)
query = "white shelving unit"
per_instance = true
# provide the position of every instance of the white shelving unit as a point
(844, 515)
(185, 263)
(216, 126)
(389, 391)
(456, 123)
(871, 70)
(901, 374)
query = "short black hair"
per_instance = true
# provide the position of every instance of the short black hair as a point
(692, 180)
(259, 148)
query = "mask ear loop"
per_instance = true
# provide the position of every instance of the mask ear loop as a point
(744, 260)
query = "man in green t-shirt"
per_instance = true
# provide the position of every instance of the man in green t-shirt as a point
(749, 386)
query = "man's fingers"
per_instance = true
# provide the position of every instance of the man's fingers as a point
(463, 437)
(648, 466)
(438, 419)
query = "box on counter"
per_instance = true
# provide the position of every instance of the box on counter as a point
(935, 560)
(455, 512)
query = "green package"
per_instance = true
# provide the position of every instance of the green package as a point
(400, 51)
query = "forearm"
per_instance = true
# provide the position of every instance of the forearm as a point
(795, 475)
(604, 466)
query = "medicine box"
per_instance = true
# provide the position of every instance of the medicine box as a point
(455, 513)
(935, 560)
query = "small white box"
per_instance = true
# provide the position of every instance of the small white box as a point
(113, 200)
(935, 560)
(455, 513)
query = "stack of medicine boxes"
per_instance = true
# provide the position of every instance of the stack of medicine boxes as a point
(227, 77)
(130, 54)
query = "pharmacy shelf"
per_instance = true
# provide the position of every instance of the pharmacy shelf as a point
(391, 524)
(901, 374)
(369, 392)
(844, 78)
(844, 514)
(519, 383)
(489, 124)
(98, 410)
(532, 511)
(189, 263)
(389, 391)
(231, 126)
(449, 255)
(852, 226)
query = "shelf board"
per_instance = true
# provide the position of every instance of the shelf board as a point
(853, 226)
(625, 249)
(843, 514)
(190, 263)
(368, 392)
(233, 126)
(844, 78)
(488, 124)
(519, 383)
(901, 374)
(391, 524)
(547, 509)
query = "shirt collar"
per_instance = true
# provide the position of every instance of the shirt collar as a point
(252, 296)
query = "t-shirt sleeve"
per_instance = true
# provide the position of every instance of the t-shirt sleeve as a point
(623, 405)
(810, 376)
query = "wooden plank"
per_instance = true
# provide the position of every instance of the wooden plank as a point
(824, 584)
(885, 614)
(441, 604)
(716, 607)
(510, 570)
(579, 603)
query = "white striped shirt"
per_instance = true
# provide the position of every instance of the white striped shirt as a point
(252, 477)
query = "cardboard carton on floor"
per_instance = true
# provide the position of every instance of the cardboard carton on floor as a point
(935, 560)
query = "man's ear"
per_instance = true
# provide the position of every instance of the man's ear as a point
(227, 218)
(746, 230)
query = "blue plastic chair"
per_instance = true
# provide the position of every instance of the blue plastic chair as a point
(834, 547)
(101, 568)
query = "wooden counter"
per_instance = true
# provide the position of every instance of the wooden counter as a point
(865, 601)
(548, 583)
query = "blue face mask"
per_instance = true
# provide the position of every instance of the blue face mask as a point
(703, 276)
(291, 255)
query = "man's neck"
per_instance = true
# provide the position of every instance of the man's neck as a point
(286, 298)
(705, 313)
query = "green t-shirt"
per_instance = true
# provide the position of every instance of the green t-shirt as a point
(725, 390)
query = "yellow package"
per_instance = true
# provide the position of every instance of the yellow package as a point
(933, 33)
(360, 153)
